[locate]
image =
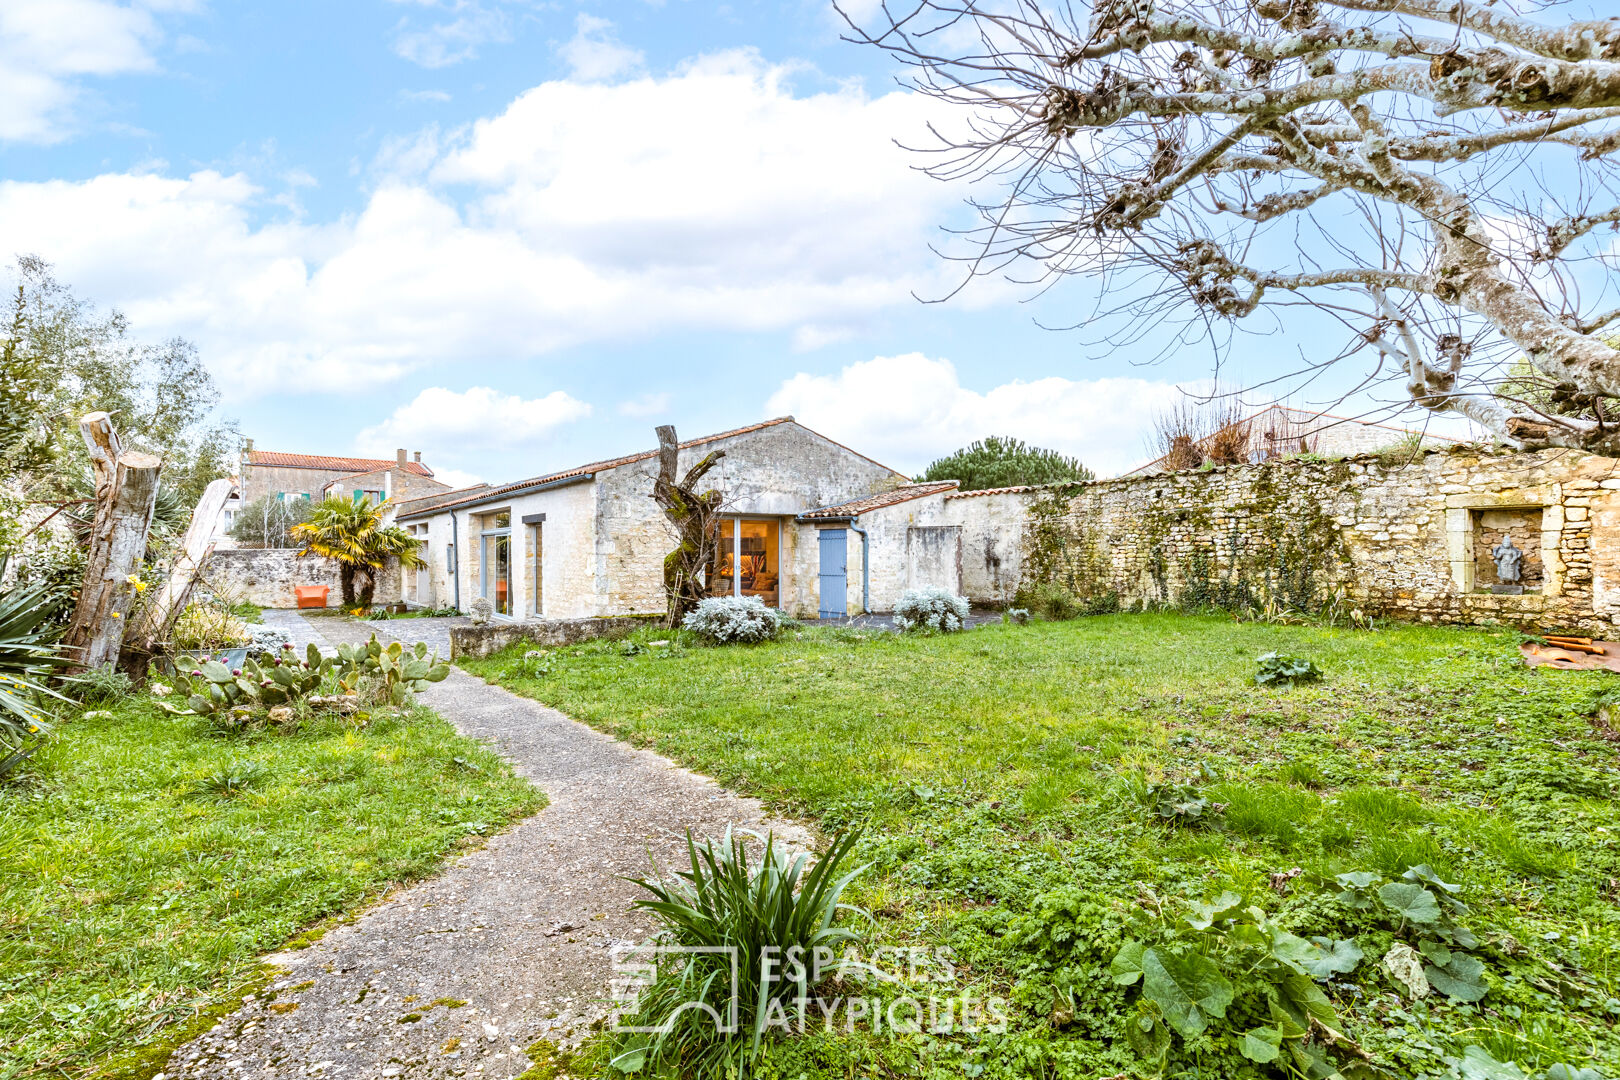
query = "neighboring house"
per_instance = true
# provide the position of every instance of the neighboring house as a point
(1282, 430)
(315, 476)
(591, 541)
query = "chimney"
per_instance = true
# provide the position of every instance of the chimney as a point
(419, 457)
(401, 456)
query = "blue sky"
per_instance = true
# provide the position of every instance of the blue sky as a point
(517, 235)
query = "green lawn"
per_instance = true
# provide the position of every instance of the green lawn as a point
(1003, 778)
(137, 890)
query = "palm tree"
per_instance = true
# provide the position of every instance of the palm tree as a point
(352, 532)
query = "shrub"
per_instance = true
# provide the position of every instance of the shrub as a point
(1048, 600)
(1017, 615)
(1275, 669)
(931, 609)
(777, 909)
(726, 620)
(96, 685)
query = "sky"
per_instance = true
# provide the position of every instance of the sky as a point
(518, 235)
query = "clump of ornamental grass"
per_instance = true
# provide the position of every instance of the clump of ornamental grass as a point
(782, 908)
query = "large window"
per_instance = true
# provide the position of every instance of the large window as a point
(496, 561)
(747, 560)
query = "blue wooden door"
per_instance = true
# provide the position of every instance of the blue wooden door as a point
(834, 573)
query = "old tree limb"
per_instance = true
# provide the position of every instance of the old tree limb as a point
(1436, 179)
(126, 490)
(695, 516)
(195, 547)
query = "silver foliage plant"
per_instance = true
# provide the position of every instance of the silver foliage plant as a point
(931, 609)
(727, 620)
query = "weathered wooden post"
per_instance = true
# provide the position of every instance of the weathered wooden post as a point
(195, 548)
(126, 490)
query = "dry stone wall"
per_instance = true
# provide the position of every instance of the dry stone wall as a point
(267, 576)
(1408, 539)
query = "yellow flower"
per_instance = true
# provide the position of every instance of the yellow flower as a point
(116, 615)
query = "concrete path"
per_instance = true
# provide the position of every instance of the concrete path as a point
(520, 929)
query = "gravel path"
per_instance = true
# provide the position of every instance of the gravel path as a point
(519, 930)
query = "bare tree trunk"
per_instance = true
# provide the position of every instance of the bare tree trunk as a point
(693, 514)
(126, 489)
(195, 547)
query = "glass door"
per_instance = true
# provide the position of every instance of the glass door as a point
(497, 564)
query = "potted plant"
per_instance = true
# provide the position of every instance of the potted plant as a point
(205, 632)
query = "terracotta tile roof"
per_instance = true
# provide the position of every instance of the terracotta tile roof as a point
(995, 491)
(884, 498)
(477, 495)
(326, 463)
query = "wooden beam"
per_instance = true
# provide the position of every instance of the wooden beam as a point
(194, 550)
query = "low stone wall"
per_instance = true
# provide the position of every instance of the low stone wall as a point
(1407, 539)
(481, 641)
(267, 576)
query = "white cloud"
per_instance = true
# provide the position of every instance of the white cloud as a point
(455, 39)
(645, 405)
(437, 97)
(450, 426)
(908, 410)
(456, 478)
(48, 47)
(715, 198)
(594, 53)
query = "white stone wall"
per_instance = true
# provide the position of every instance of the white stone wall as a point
(992, 542)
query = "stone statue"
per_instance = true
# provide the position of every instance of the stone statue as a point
(1508, 560)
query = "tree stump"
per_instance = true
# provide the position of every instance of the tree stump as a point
(695, 516)
(195, 548)
(126, 490)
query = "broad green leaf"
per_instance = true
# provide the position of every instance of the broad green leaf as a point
(631, 1060)
(1435, 951)
(214, 671)
(1425, 874)
(1263, 1044)
(1189, 990)
(1460, 980)
(1337, 958)
(1361, 879)
(1127, 965)
(1294, 951)
(1411, 902)
(1222, 907)
(1146, 1034)
(1477, 1064)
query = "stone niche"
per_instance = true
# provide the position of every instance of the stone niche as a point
(1490, 526)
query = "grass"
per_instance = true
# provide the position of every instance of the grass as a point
(999, 774)
(146, 865)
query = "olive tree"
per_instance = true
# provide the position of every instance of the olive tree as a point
(1435, 175)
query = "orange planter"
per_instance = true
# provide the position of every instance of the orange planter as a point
(310, 595)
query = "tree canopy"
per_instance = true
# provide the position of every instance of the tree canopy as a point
(1434, 182)
(999, 461)
(61, 357)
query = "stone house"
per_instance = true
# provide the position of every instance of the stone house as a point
(314, 476)
(590, 540)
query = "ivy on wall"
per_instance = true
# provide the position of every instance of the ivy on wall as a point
(1233, 539)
